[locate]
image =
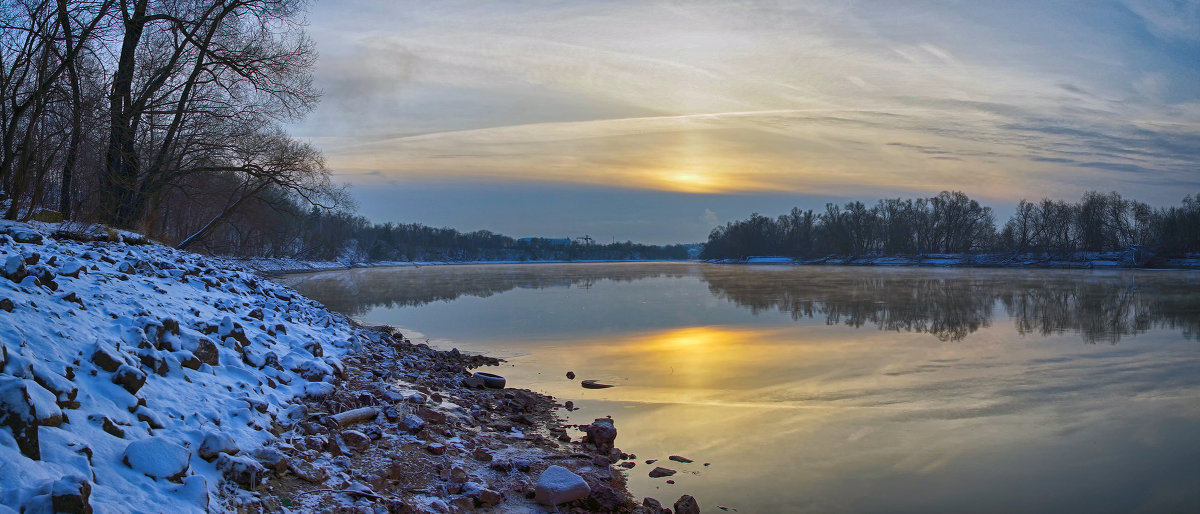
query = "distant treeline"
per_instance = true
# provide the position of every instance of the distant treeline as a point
(951, 222)
(321, 235)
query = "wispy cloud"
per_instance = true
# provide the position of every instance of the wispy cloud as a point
(826, 97)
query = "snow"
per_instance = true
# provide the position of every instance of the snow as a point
(82, 302)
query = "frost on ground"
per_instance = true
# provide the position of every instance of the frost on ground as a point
(134, 377)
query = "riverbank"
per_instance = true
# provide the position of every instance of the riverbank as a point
(135, 374)
(1083, 260)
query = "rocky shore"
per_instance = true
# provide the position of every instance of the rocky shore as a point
(137, 377)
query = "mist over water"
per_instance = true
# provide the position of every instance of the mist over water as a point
(842, 388)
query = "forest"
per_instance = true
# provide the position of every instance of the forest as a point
(951, 222)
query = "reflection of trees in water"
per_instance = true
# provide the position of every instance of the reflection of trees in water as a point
(354, 292)
(952, 306)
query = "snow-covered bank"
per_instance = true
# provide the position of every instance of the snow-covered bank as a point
(140, 378)
(1083, 260)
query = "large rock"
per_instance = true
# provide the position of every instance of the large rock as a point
(130, 378)
(45, 405)
(602, 433)
(559, 485)
(660, 472)
(243, 471)
(411, 424)
(686, 505)
(157, 458)
(107, 359)
(216, 443)
(206, 351)
(18, 414)
(71, 494)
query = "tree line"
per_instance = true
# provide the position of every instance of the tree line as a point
(339, 235)
(951, 222)
(162, 116)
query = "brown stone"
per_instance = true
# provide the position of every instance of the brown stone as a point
(659, 472)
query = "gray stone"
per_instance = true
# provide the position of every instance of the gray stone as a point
(411, 423)
(560, 485)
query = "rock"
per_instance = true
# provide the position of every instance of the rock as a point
(194, 488)
(17, 413)
(112, 428)
(315, 349)
(436, 448)
(130, 378)
(216, 443)
(481, 454)
(157, 458)
(659, 472)
(7, 305)
(411, 423)
(686, 505)
(628, 464)
(207, 351)
(71, 494)
(677, 458)
(473, 382)
(653, 505)
(45, 405)
(571, 375)
(483, 496)
(243, 471)
(306, 471)
(462, 504)
(318, 390)
(107, 359)
(355, 439)
(458, 475)
(560, 485)
(602, 433)
(272, 459)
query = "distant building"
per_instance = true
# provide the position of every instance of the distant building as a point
(553, 241)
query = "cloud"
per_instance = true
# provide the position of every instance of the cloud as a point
(710, 218)
(826, 97)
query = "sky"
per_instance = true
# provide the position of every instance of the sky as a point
(656, 121)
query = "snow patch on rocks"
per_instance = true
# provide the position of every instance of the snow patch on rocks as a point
(118, 358)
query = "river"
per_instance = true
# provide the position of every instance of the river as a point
(841, 389)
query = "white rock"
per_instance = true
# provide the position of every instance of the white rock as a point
(318, 390)
(157, 458)
(559, 485)
(216, 443)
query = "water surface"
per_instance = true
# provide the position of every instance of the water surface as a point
(851, 389)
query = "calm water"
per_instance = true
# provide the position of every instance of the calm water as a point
(832, 389)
